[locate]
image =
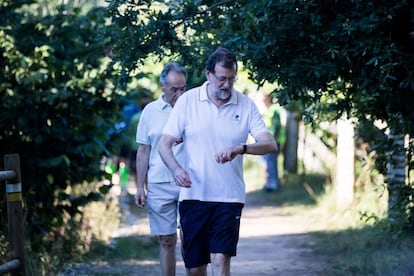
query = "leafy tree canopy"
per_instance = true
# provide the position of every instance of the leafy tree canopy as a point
(355, 57)
(58, 106)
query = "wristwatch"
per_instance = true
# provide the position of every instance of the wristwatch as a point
(244, 149)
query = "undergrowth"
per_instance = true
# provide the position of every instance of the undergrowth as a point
(356, 240)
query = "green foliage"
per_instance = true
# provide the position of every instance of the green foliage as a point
(334, 58)
(138, 30)
(58, 108)
(352, 58)
(95, 223)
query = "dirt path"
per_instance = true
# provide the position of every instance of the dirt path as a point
(271, 243)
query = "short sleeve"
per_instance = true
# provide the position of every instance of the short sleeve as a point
(142, 136)
(176, 121)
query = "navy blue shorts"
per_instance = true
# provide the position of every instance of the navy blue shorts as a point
(208, 227)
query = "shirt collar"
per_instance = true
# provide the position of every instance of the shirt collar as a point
(161, 103)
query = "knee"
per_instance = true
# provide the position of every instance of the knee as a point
(220, 264)
(168, 241)
(219, 259)
(197, 271)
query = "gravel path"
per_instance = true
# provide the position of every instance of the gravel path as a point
(271, 243)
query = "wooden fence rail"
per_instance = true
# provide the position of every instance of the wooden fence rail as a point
(11, 174)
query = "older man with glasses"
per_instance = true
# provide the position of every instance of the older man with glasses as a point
(214, 121)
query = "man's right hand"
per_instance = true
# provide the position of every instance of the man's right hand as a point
(140, 199)
(182, 178)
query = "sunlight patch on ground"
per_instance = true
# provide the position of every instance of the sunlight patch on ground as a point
(271, 223)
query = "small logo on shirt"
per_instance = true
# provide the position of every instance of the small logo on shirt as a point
(236, 117)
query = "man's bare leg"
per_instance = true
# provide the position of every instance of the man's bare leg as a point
(167, 254)
(220, 264)
(187, 271)
(198, 271)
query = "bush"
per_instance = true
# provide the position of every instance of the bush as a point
(95, 222)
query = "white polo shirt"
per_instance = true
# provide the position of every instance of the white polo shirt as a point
(149, 132)
(207, 130)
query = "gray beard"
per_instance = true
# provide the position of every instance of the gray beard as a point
(222, 96)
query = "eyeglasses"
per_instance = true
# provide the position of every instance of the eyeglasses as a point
(231, 80)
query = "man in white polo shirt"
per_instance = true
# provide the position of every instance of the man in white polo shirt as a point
(214, 121)
(162, 191)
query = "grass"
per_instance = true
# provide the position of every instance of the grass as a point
(355, 240)
(358, 240)
(369, 250)
(134, 247)
(140, 247)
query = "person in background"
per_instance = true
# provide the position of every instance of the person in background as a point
(155, 184)
(272, 120)
(214, 121)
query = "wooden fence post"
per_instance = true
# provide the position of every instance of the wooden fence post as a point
(15, 212)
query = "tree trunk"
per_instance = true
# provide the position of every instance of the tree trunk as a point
(397, 197)
(291, 145)
(345, 177)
